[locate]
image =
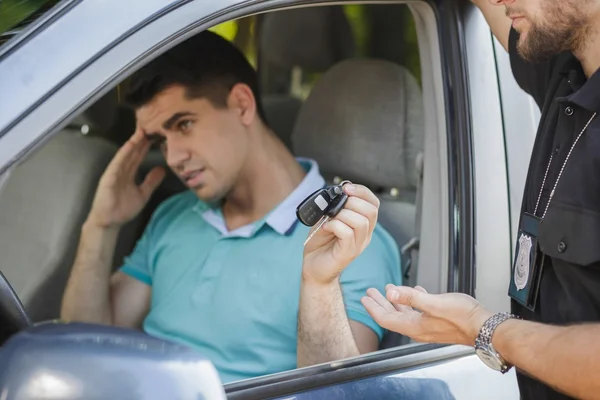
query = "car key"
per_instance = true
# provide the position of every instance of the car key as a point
(332, 211)
(312, 210)
(309, 214)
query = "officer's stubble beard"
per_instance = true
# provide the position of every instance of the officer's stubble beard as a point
(561, 26)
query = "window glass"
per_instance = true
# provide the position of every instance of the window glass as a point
(381, 140)
(15, 15)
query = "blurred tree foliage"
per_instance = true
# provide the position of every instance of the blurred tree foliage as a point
(16, 12)
(380, 31)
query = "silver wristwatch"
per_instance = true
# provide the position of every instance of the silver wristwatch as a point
(483, 343)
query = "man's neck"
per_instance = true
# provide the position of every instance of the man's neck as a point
(588, 53)
(269, 175)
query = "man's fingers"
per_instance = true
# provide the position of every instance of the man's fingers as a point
(414, 298)
(400, 322)
(129, 152)
(137, 155)
(359, 224)
(362, 192)
(152, 180)
(342, 231)
(364, 208)
(380, 299)
(375, 309)
(399, 307)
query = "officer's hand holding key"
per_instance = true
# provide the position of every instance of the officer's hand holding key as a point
(344, 217)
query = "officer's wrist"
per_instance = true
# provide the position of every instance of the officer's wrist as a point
(476, 322)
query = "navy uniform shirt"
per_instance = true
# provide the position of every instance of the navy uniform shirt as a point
(569, 234)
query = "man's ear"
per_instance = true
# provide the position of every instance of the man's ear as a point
(243, 102)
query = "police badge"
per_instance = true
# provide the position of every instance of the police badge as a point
(526, 270)
(522, 265)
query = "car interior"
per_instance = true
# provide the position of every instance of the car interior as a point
(340, 85)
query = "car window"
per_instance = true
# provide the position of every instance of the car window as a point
(301, 73)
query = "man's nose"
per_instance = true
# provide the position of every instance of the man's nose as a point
(175, 153)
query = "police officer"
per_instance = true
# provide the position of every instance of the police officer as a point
(553, 333)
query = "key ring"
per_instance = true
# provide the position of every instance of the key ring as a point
(344, 182)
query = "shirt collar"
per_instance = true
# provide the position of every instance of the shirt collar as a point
(586, 92)
(282, 218)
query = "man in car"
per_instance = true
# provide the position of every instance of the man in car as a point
(222, 267)
(554, 48)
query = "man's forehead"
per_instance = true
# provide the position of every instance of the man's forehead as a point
(164, 101)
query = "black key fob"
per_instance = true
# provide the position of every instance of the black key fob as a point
(336, 205)
(312, 209)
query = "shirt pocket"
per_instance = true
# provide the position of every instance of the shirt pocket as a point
(571, 234)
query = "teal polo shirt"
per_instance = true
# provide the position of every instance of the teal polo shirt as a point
(234, 295)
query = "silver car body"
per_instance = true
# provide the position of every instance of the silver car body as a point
(84, 56)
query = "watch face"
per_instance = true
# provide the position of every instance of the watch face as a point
(489, 359)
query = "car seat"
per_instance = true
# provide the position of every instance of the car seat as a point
(310, 40)
(363, 121)
(44, 201)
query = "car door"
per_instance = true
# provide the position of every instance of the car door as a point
(465, 191)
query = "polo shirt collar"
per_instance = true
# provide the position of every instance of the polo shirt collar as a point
(282, 219)
(586, 92)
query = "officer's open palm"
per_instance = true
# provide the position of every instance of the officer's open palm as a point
(343, 238)
(439, 318)
(118, 198)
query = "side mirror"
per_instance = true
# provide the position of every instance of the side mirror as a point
(86, 361)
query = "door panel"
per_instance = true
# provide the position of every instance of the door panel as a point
(449, 372)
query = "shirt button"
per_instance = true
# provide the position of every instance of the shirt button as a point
(569, 110)
(562, 246)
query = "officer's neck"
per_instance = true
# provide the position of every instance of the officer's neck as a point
(588, 52)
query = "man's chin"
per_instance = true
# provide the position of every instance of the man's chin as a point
(206, 195)
(535, 54)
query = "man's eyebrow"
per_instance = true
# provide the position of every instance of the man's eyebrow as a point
(168, 124)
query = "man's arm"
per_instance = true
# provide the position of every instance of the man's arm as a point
(563, 357)
(324, 331)
(567, 358)
(497, 20)
(92, 295)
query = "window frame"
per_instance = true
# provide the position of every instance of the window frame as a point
(180, 20)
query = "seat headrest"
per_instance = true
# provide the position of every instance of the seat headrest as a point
(313, 38)
(363, 121)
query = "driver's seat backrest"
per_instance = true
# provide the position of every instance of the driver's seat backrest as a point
(363, 121)
(305, 40)
(43, 203)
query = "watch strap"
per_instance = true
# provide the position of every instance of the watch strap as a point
(484, 339)
(487, 330)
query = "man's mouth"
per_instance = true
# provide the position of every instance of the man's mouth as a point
(515, 17)
(193, 178)
(516, 20)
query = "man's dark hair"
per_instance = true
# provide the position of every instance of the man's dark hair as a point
(207, 65)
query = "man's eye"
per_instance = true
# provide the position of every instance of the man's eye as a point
(185, 125)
